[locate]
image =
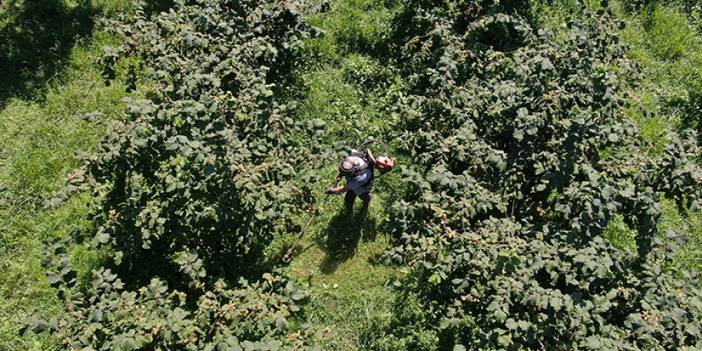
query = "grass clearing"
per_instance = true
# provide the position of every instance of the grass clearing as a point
(668, 46)
(46, 95)
(669, 33)
(347, 86)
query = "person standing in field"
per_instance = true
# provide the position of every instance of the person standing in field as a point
(358, 169)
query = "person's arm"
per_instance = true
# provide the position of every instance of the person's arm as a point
(336, 190)
(370, 157)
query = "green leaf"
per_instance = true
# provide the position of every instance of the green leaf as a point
(504, 340)
(103, 238)
(53, 278)
(298, 295)
(281, 323)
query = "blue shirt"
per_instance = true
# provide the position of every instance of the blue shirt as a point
(360, 183)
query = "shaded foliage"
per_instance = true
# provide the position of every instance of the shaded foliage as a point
(33, 49)
(201, 172)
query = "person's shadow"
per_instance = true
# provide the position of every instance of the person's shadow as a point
(344, 232)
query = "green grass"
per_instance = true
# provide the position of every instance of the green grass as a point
(670, 36)
(668, 46)
(347, 87)
(352, 25)
(669, 49)
(690, 255)
(41, 132)
(620, 235)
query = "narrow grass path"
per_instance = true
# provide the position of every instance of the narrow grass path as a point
(667, 43)
(346, 89)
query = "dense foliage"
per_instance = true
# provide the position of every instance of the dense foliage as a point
(201, 172)
(522, 158)
(106, 316)
(193, 184)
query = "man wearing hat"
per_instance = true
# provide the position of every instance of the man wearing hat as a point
(358, 171)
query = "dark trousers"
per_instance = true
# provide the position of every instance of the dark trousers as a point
(351, 197)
